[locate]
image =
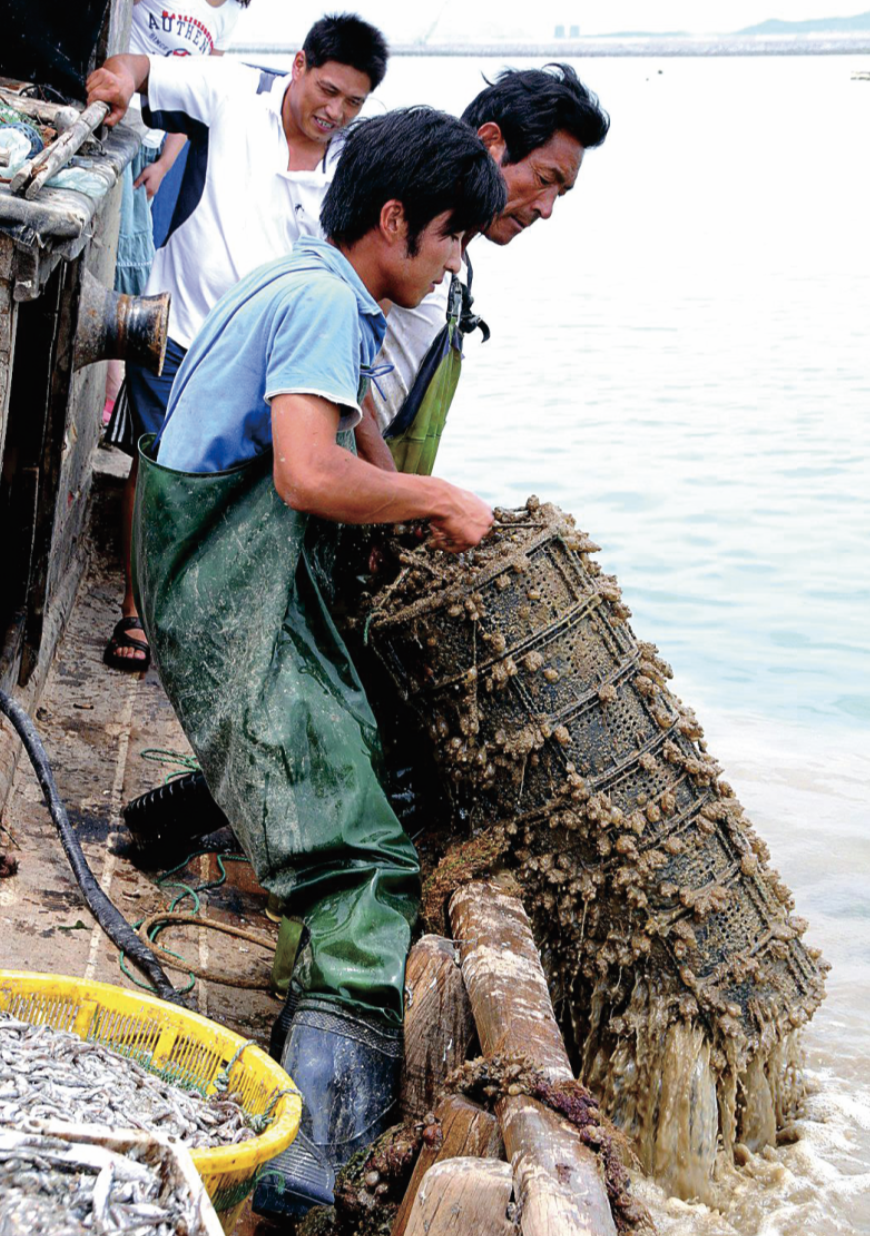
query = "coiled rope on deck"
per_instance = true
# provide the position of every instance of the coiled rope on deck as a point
(150, 926)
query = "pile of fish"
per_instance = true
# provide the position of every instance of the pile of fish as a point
(51, 1075)
(51, 1185)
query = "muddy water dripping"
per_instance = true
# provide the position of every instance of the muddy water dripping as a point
(659, 1085)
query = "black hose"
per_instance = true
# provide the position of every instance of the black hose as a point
(107, 915)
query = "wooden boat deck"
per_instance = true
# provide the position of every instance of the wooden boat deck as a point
(96, 724)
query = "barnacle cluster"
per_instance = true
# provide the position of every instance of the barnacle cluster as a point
(664, 929)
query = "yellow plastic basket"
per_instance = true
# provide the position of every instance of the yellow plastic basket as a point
(179, 1046)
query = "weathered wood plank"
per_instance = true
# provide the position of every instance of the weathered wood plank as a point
(33, 174)
(439, 1027)
(467, 1131)
(558, 1179)
(465, 1197)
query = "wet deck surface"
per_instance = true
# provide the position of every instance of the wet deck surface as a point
(97, 725)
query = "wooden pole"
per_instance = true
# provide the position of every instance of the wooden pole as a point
(558, 1180)
(464, 1197)
(467, 1131)
(31, 176)
(57, 116)
(439, 1027)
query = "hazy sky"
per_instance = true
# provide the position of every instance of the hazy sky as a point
(282, 21)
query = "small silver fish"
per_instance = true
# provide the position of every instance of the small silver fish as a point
(54, 1075)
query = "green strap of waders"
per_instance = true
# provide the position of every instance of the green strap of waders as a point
(415, 434)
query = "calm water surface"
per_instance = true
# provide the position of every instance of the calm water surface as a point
(680, 357)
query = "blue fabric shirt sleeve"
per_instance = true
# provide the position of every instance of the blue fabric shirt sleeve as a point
(315, 348)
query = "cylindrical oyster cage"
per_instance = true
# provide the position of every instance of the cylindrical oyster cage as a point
(555, 724)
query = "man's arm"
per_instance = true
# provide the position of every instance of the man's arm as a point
(116, 82)
(152, 174)
(370, 444)
(314, 474)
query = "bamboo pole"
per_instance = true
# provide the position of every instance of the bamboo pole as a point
(467, 1131)
(33, 174)
(464, 1196)
(558, 1180)
(439, 1027)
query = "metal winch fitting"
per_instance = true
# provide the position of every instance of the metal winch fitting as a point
(113, 325)
(553, 723)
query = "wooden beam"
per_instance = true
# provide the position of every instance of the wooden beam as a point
(467, 1131)
(439, 1027)
(464, 1197)
(558, 1180)
(33, 174)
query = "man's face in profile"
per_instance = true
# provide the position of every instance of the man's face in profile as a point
(545, 174)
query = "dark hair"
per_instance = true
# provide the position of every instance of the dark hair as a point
(349, 40)
(530, 105)
(423, 158)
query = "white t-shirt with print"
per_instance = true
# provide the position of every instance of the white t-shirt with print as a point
(239, 204)
(191, 28)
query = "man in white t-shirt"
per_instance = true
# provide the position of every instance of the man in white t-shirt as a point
(192, 28)
(536, 124)
(262, 151)
(197, 28)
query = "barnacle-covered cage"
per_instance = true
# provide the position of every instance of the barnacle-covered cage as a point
(664, 928)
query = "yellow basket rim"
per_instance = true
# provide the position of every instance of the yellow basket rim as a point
(237, 1158)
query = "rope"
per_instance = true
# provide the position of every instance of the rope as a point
(157, 922)
(260, 1123)
(183, 763)
(222, 1081)
(165, 917)
(373, 372)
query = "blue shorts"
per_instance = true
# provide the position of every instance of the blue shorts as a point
(141, 406)
(148, 394)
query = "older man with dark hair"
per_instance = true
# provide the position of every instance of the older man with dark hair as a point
(537, 124)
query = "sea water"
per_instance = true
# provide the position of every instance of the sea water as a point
(681, 358)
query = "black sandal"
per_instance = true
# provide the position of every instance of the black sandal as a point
(120, 639)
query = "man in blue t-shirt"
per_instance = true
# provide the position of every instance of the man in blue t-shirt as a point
(255, 441)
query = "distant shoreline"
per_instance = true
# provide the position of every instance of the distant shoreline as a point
(572, 49)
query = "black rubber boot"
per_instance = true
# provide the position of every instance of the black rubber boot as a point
(348, 1070)
(166, 820)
